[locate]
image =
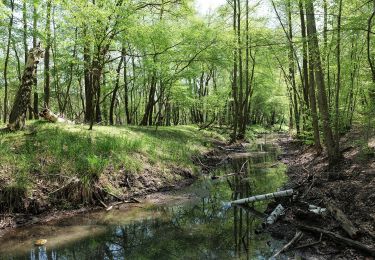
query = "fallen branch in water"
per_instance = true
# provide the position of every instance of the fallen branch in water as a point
(296, 237)
(278, 194)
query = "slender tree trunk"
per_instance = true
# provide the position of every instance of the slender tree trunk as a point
(241, 106)
(71, 67)
(126, 93)
(89, 114)
(24, 19)
(36, 96)
(292, 69)
(338, 87)
(304, 56)
(319, 78)
(5, 73)
(47, 57)
(370, 56)
(314, 111)
(234, 83)
(117, 86)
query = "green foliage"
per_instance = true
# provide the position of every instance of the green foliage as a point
(50, 151)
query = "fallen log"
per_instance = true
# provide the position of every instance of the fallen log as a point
(278, 194)
(349, 242)
(52, 117)
(343, 220)
(296, 237)
(276, 213)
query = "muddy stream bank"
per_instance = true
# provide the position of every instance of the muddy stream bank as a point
(195, 222)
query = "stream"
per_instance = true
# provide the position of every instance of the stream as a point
(193, 223)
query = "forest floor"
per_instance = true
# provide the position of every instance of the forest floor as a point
(50, 171)
(350, 186)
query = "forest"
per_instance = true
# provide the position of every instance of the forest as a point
(106, 102)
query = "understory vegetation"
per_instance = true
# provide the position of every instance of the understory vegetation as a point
(50, 156)
(149, 83)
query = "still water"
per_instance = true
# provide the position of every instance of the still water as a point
(194, 223)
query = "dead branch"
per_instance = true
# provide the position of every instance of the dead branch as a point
(296, 237)
(340, 239)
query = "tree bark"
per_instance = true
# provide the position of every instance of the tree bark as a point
(338, 86)
(304, 56)
(370, 57)
(319, 78)
(241, 105)
(36, 96)
(5, 73)
(292, 77)
(18, 114)
(46, 57)
(117, 86)
(234, 83)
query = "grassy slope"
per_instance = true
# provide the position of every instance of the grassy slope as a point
(36, 162)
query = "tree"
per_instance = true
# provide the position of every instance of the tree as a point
(333, 153)
(17, 116)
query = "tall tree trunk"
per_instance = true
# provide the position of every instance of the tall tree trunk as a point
(240, 70)
(370, 56)
(46, 57)
(18, 114)
(126, 93)
(117, 86)
(35, 25)
(292, 69)
(5, 73)
(89, 113)
(314, 111)
(319, 78)
(234, 83)
(304, 56)
(338, 87)
(24, 20)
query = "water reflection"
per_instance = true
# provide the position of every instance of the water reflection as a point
(204, 228)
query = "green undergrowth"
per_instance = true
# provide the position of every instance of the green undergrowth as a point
(57, 151)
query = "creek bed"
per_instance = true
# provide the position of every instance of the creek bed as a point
(193, 223)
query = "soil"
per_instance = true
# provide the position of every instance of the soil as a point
(135, 189)
(350, 185)
(152, 184)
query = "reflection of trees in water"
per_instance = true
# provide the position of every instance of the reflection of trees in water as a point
(207, 229)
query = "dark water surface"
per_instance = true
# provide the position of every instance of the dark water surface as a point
(197, 223)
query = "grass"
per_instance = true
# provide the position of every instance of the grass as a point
(49, 152)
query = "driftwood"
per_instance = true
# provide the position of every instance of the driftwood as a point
(349, 242)
(345, 223)
(278, 194)
(52, 117)
(297, 237)
(276, 213)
